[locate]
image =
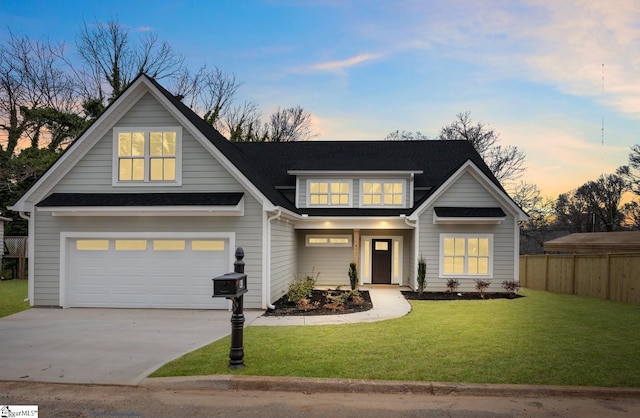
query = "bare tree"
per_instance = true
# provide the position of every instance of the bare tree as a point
(209, 93)
(506, 163)
(289, 124)
(405, 136)
(529, 198)
(631, 172)
(111, 56)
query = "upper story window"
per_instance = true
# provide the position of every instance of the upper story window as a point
(329, 193)
(147, 156)
(382, 193)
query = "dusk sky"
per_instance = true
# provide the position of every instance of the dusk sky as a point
(544, 74)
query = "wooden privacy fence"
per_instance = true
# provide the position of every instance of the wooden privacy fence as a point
(604, 276)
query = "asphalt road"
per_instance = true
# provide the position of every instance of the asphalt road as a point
(79, 401)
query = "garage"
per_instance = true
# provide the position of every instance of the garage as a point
(145, 272)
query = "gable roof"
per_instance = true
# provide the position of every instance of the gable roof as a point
(268, 167)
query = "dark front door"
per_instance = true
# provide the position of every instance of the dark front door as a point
(381, 262)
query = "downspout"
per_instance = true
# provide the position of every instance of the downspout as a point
(30, 284)
(416, 242)
(268, 260)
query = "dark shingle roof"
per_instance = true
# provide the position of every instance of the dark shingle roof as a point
(457, 212)
(141, 199)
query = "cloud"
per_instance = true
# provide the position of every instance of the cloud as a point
(337, 66)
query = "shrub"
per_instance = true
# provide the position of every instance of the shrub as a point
(353, 276)
(338, 298)
(452, 285)
(422, 274)
(481, 286)
(511, 286)
(301, 287)
(305, 304)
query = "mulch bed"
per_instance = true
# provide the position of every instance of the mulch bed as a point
(457, 296)
(319, 297)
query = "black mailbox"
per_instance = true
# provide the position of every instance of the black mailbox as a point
(230, 285)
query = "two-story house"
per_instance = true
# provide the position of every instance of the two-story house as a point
(148, 204)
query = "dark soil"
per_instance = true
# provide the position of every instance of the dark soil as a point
(457, 296)
(319, 304)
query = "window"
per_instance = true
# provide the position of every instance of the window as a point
(328, 241)
(466, 255)
(147, 156)
(92, 245)
(329, 193)
(382, 193)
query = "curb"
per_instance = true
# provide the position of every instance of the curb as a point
(317, 385)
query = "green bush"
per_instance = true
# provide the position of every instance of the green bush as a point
(422, 274)
(301, 287)
(353, 276)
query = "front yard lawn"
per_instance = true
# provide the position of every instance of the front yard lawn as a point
(543, 338)
(12, 296)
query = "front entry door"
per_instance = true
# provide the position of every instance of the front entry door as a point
(381, 262)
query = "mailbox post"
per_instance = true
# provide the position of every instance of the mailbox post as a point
(233, 286)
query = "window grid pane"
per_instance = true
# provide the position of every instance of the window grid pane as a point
(139, 162)
(329, 193)
(382, 193)
(465, 256)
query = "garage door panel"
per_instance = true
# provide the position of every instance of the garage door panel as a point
(166, 278)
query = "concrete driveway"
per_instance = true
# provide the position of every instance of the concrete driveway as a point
(107, 346)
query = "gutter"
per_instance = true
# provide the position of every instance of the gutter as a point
(267, 292)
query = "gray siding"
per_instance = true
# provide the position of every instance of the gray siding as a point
(331, 264)
(200, 170)
(467, 191)
(201, 173)
(283, 257)
(302, 191)
(47, 247)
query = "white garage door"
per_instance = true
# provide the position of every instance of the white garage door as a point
(146, 273)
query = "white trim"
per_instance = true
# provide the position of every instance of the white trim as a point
(328, 237)
(366, 260)
(470, 167)
(329, 183)
(346, 222)
(356, 173)
(82, 145)
(468, 221)
(227, 210)
(445, 235)
(104, 124)
(383, 182)
(31, 259)
(67, 236)
(116, 182)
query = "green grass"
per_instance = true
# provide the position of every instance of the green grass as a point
(543, 338)
(12, 296)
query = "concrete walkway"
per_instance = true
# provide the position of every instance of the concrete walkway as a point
(387, 301)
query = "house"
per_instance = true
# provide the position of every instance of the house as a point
(149, 203)
(596, 243)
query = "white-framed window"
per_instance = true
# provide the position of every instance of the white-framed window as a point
(147, 156)
(382, 192)
(328, 241)
(466, 255)
(329, 192)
